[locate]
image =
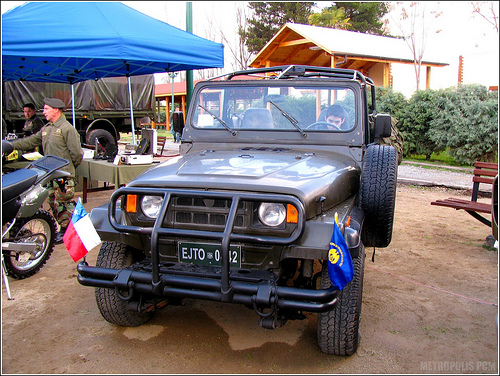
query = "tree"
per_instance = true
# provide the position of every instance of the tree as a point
(487, 11)
(390, 102)
(211, 33)
(269, 17)
(333, 18)
(466, 123)
(415, 121)
(241, 55)
(414, 24)
(365, 17)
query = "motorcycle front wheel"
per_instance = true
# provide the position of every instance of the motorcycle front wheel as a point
(39, 228)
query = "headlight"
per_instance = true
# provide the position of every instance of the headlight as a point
(151, 205)
(272, 214)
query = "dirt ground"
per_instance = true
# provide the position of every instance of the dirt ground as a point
(430, 305)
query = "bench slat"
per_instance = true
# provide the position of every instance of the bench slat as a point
(484, 172)
(481, 172)
(480, 179)
(466, 205)
(490, 165)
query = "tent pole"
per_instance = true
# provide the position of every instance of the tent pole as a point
(131, 110)
(173, 74)
(73, 104)
(189, 73)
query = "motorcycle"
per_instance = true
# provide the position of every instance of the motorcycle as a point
(28, 231)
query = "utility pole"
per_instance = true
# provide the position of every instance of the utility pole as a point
(189, 73)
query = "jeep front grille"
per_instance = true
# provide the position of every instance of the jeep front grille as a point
(207, 215)
(191, 212)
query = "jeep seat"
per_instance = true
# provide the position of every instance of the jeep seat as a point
(257, 118)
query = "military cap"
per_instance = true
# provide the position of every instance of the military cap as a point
(54, 103)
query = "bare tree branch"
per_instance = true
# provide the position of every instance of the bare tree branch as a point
(491, 18)
(238, 49)
(415, 16)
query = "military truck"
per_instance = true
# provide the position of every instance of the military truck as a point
(247, 213)
(102, 108)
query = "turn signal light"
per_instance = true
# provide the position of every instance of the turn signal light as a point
(292, 215)
(131, 203)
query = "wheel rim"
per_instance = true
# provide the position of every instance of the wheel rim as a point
(34, 231)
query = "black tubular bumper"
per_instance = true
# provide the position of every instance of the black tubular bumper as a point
(255, 288)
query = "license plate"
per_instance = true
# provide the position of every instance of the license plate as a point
(208, 254)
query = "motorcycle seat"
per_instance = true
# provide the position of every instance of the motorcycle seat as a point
(16, 182)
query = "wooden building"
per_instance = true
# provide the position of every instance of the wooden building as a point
(372, 55)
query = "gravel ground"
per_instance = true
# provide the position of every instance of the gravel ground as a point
(420, 175)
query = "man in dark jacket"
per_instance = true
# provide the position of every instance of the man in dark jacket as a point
(58, 137)
(33, 123)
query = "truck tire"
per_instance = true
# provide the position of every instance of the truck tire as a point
(103, 137)
(113, 309)
(338, 329)
(377, 196)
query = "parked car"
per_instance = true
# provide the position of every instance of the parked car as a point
(245, 214)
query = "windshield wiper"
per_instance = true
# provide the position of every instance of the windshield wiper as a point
(290, 118)
(233, 132)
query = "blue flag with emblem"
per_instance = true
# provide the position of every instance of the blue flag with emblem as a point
(340, 267)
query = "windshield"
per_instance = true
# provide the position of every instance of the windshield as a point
(287, 108)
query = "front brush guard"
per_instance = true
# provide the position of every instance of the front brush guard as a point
(255, 288)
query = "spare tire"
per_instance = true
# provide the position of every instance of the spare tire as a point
(377, 196)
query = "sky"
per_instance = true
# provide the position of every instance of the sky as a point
(460, 33)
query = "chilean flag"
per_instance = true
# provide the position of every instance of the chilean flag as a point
(80, 236)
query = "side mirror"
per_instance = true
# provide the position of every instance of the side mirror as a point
(383, 126)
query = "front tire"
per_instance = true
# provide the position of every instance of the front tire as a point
(113, 309)
(338, 329)
(39, 228)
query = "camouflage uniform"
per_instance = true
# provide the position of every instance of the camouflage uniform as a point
(61, 200)
(60, 139)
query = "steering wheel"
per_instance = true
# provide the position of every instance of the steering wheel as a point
(323, 126)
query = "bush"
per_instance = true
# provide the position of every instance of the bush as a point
(465, 121)
(390, 102)
(416, 121)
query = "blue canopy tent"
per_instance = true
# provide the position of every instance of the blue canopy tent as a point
(71, 42)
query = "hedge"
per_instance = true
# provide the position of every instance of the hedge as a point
(462, 120)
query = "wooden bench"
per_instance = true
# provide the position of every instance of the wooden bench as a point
(484, 172)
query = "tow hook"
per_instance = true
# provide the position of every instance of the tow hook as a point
(122, 282)
(272, 322)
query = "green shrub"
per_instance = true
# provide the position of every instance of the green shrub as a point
(390, 102)
(466, 122)
(416, 121)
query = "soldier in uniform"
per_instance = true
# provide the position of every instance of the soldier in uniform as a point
(58, 137)
(33, 123)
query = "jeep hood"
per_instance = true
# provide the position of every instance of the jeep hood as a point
(316, 179)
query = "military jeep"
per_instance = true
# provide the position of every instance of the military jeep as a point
(245, 214)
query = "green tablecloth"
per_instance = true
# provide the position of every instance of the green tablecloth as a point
(108, 172)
